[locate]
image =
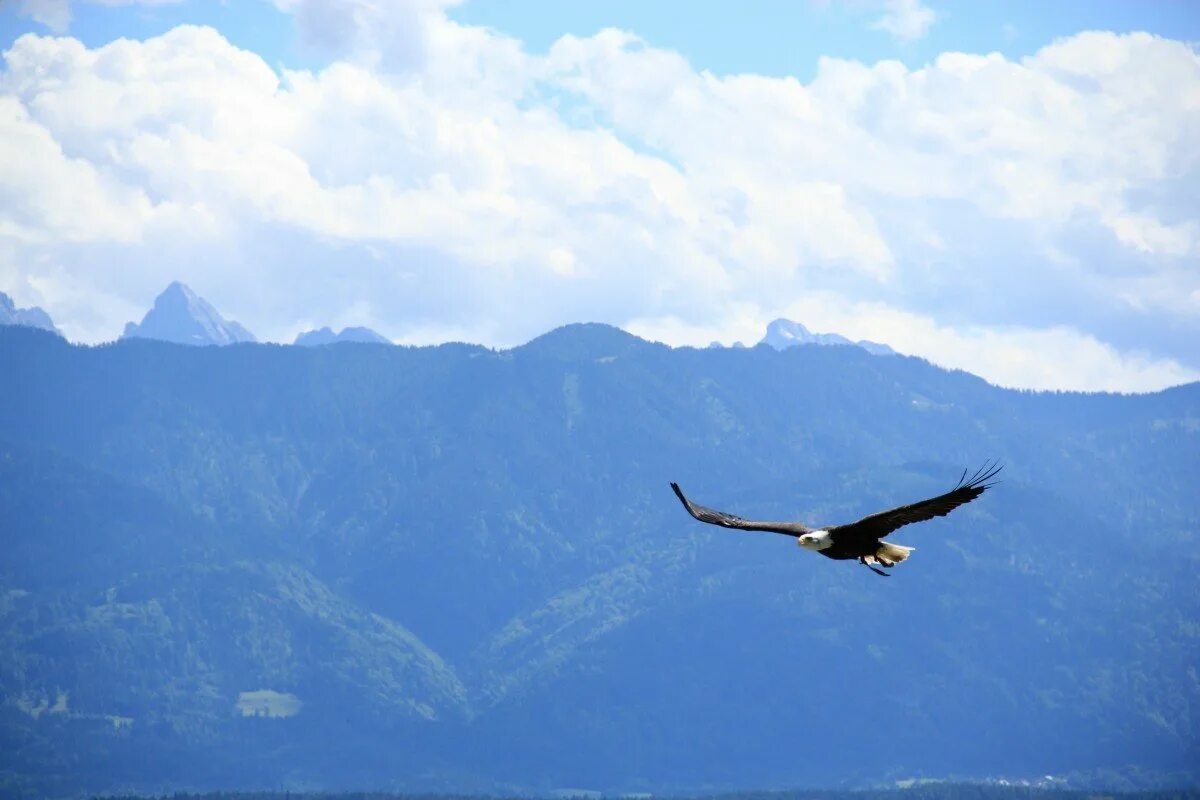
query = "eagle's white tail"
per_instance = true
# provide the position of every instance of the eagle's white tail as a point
(889, 555)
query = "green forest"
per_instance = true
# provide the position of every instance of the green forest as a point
(461, 569)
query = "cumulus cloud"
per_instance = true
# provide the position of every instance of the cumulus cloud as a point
(388, 33)
(56, 14)
(1039, 210)
(907, 20)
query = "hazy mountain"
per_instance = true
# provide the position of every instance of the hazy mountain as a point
(327, 336)
(451, 568)
(783, 333)
(180, 315)
(31, 317)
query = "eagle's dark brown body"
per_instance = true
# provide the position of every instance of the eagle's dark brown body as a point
(847, 550)
(861, 540)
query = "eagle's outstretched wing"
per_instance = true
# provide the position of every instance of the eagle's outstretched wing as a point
(879, 525)
(714, 517)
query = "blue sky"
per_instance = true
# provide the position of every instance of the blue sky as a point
(1000, 187)
(786, 38)
(770, 37)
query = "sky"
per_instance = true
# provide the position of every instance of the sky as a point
(1006, 188)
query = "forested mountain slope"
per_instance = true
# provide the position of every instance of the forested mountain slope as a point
(453, 568)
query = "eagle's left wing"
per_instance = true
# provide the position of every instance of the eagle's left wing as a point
(714, 517)
(879, 525)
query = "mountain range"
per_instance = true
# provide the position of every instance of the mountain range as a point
(31, 317)
(783, 333)
(460, 569)
(181, 316)
(324, 336)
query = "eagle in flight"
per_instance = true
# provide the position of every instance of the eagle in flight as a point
(862, 540)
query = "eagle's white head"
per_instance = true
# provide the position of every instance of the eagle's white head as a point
(815, 540)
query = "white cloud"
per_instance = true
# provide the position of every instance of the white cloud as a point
(1041, 210)
(56, 14)
(907, 20)
(49, 198)
(391, 33)
(1012, 356)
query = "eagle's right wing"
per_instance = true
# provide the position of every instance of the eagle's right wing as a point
(877, 526)
(714, 517)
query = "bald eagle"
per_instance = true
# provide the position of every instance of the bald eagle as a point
(860, 540)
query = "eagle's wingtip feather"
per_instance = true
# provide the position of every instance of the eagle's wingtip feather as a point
(980, 479)
(680, 495)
